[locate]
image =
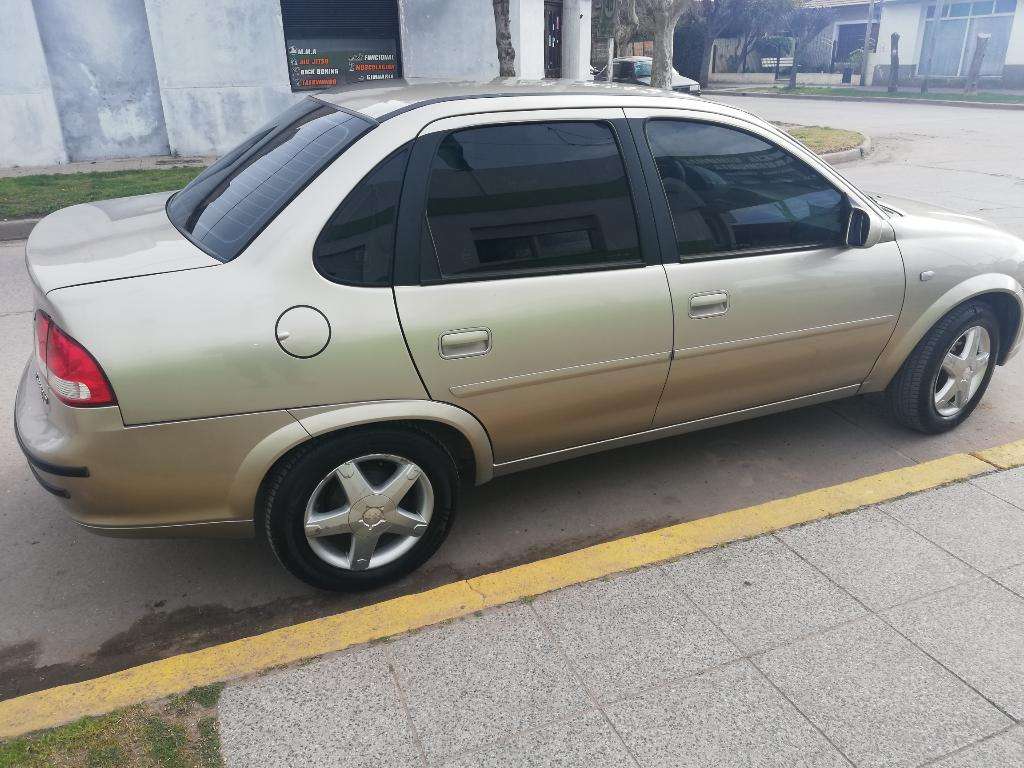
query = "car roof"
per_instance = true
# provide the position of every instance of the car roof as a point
(382, 100)
(632, 58)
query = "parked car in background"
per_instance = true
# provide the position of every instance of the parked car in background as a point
(389, 292)
(637, 70)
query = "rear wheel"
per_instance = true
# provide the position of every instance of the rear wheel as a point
(946, 375)
(361, 509)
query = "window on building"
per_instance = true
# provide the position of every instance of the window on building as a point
(730, 192)
(532, 198)
(951, 48)
(358, 244)
(333, 42)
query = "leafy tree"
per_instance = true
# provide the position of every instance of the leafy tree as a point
(759, 19)
(804, 24)
(663, 15)
(712, 17)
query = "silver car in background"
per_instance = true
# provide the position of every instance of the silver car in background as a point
(389, 292)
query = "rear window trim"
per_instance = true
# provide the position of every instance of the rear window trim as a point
(210, 252)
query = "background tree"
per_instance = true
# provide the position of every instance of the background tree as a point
(503, 39)
(626, 23)
(663, 15)
(760, 19)
(712, 17)
(804, 24)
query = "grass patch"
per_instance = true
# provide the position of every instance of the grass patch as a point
(989, 97)
(179, 732)
(26, 196)
(821, 139)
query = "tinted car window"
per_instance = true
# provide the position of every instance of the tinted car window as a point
(730, 191)
(358, 243)
(524, 199)
(229, 203)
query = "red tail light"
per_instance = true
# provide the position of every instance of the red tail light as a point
(73, 374)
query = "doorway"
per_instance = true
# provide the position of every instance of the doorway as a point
(552, 38)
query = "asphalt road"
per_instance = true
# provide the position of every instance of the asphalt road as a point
(73, 605)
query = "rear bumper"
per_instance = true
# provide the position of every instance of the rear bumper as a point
(195, 478)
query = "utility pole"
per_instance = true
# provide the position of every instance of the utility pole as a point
(867, 44)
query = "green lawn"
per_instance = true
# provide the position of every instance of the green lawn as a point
(27, 196)
(904, 93)
(180, 732)
(822, 140)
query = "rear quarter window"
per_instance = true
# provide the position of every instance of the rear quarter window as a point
(227, 205)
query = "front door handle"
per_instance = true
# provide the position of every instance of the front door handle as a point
(468, 342)
(710, 304)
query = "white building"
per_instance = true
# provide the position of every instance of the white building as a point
(915, 22)
(97, 79)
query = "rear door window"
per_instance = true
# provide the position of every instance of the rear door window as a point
(229, 203)
(529, 198)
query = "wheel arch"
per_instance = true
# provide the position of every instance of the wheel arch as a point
(1000, 291)
(456, 429)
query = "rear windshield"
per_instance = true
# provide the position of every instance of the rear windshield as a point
(229, 203)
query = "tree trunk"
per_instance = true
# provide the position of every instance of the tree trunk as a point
(894, 62)
(792, 70)
(939, 8)
(867, 44)
(980, 44)
(707, 56)
(661, 64)
(609, 69)
(503, 39)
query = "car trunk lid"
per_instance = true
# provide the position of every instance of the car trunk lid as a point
(109, 240)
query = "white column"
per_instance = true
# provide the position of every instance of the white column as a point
(527, 22)
(576, 39)
(29, 126)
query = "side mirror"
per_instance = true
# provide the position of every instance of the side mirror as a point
(858, 229)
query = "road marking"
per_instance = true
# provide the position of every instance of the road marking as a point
(299, 642)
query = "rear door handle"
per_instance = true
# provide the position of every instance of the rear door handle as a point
(468, 342)
(710, 304)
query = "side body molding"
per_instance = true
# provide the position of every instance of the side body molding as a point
(319, 420)
(907, 335)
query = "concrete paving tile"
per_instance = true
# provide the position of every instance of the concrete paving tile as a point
(761, 594)
(877, 697)
(344, 710)
(966, 521)
(876, 559)
(1011, 578)
(977, 631)
(1003, 751)
(728, 716)
(1007, 485)
(476, 680)
(585, 740)
(632, 631)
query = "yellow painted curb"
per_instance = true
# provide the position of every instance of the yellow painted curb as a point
(288, 645)
(1003, 456)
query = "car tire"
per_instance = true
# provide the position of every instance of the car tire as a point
(317, 468)
(911, 396)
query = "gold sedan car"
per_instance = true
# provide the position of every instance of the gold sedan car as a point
(388, 292)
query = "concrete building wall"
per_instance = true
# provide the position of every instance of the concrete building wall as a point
(104, 80)
(528, 37)
(29, 127)
(448, 40)
(906, 20)
(222, 69)
(1015, 51)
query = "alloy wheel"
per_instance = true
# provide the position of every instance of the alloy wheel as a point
(962, 371)
(368, 512)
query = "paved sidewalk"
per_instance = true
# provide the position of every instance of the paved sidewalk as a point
(890, 636)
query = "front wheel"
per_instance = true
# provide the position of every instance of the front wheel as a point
(946, 375)
(361, 509)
